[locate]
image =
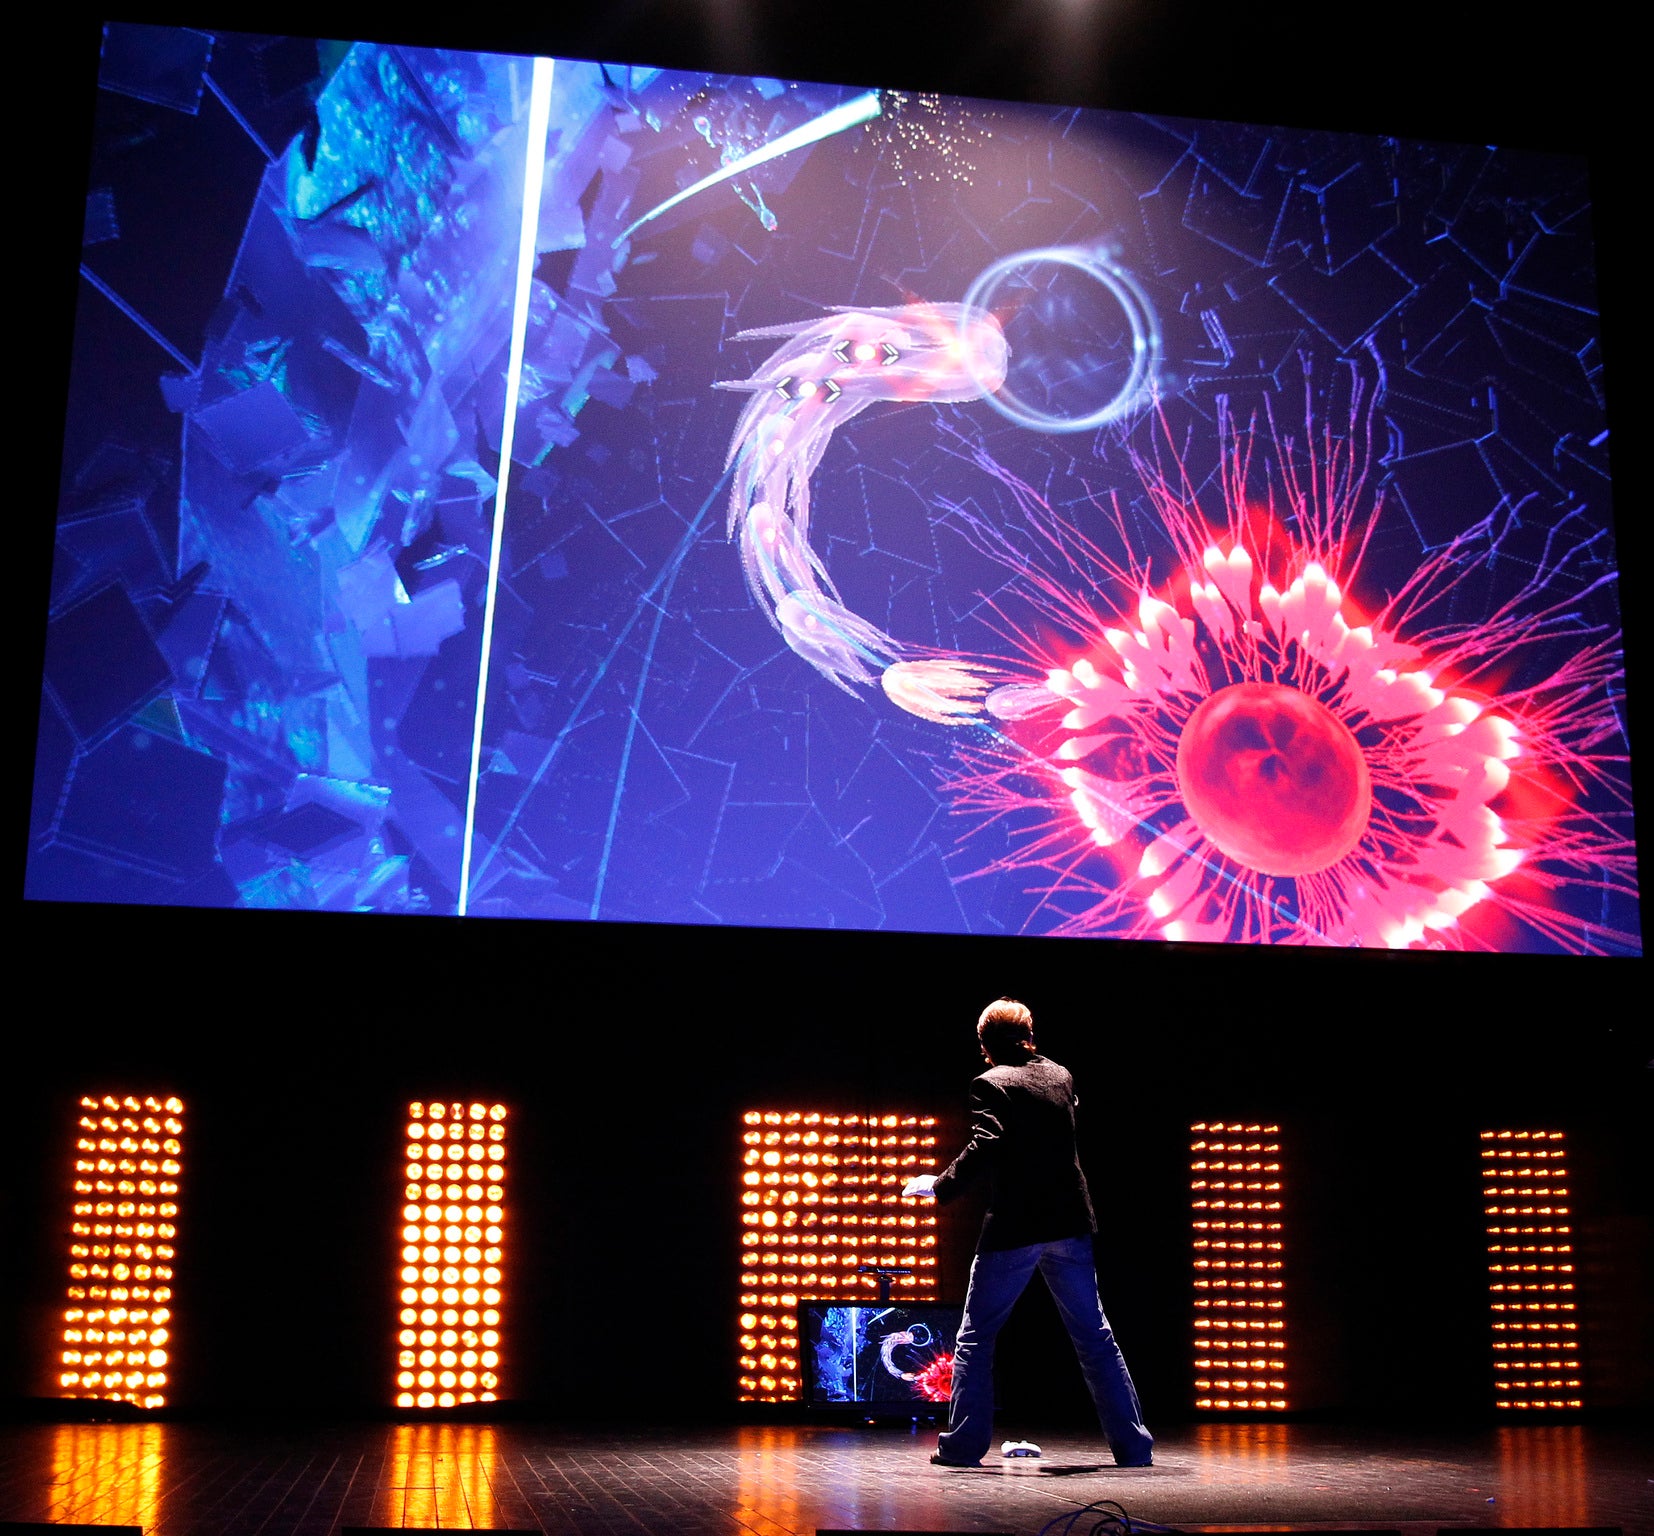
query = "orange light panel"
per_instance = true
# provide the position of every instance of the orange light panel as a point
(118, 1323)
(453, 1220)
(1235, 1197)
(1532, 1299)
(821, 1194)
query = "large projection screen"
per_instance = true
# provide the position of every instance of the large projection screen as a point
(551, 489)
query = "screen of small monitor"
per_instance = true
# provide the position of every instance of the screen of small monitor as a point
(892, 1353)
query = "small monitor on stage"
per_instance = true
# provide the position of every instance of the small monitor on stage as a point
(893, 1356)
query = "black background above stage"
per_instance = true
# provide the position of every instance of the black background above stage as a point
(627, 1054)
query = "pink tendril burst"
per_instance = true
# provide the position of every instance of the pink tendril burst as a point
(1238, 752)
(935, 1382)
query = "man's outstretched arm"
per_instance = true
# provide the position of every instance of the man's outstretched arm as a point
(987, 1134)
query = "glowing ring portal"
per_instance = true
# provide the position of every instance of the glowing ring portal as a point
(1145, 337)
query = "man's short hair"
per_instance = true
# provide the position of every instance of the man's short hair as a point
(1006, 1029)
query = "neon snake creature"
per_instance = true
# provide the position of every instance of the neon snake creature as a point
(826, 374)
(934, 1379)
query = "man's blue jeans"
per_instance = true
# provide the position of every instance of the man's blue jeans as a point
(997, 1280)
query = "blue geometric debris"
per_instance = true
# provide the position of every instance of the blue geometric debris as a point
(368, 588)
(361, 803)
(165, 65)
(101, 223)
(428, 819)
(187, 639)
(118, 543)
(54, 756)
(428, 618)
(389, 621)
(143, 800)
(307, 830)
(180, 391)
(102, 665)
(254, 428)
(285, 65)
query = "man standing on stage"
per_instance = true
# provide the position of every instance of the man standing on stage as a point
(1039, 1217)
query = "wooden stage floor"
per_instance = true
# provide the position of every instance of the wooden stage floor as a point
(201, 1479)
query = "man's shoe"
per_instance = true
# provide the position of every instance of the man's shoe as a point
(937, 1459)
(1147, 1461)
(1012, 1448)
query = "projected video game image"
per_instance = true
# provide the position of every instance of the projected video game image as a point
(886, 1353)
(556, 489)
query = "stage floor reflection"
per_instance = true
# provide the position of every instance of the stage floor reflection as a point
(200, 1479)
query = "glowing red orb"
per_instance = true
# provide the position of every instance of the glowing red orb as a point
(935, 1381)
(1274, 779)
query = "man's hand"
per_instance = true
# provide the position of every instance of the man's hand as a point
(921, 1185)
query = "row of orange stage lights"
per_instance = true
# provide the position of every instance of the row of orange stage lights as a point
(1237, 1205)
(124, 1230)
(1238, 1208)
(1532, 1295)
(449, 1343)
(122, 1234)
(821, 1197)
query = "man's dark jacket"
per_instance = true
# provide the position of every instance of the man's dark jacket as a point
(1022, 1142)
